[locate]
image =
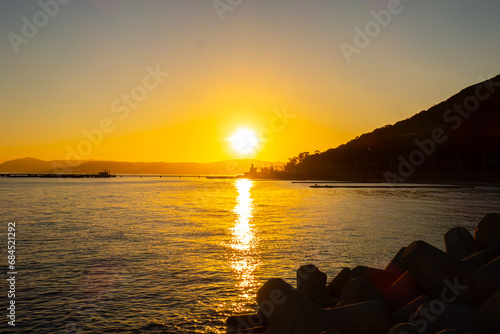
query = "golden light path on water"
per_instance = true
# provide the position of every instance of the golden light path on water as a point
(243, 260)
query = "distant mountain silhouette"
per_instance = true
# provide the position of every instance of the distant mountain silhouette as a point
(456, 138)
(230, 167)
(29, 165)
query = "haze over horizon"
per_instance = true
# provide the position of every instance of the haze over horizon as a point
(176, 80)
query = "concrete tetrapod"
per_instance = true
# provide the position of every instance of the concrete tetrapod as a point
(434, 316)
(479, 259)
(289, 312)
(460, 243)
(487, 233)
(400, 293)
(311, 282)
(396, 264)
(403, 314)
(435, 271)
(383, 278)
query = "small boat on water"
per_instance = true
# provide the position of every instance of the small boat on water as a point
(321, 186)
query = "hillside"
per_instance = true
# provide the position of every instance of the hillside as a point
(455, 138)
(29, 165)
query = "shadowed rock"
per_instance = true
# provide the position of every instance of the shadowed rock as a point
(383, 278)
(487, 233)
(404, 313)
(405, 328)
(396, 265)
(485, 281)
(262, 329)
(434, 316)
(460, 243)
(338, 282)
(289, 312)
(359, 290)
(401, 292)
(311, 282)
(244, 321)
(434, 270)
(489, 314)
(480, 258)
(380, 277)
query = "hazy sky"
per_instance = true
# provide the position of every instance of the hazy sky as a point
(165, 80)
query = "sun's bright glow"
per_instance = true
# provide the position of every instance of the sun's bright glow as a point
(244, 141)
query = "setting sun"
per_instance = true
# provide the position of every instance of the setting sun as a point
(244, 141)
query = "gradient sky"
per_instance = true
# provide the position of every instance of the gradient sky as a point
(228, 74)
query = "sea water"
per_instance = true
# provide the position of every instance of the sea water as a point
(178, 255)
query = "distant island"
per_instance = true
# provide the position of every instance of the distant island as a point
(455, 140)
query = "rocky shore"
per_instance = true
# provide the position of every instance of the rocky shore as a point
(422, 290)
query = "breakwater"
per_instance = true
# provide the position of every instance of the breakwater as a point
(422, 290)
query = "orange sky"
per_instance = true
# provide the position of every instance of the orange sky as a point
(171, 81)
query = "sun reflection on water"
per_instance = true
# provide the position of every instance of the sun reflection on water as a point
(243, 234)
(243, 259)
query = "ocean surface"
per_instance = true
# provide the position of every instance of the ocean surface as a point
(171, 255)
